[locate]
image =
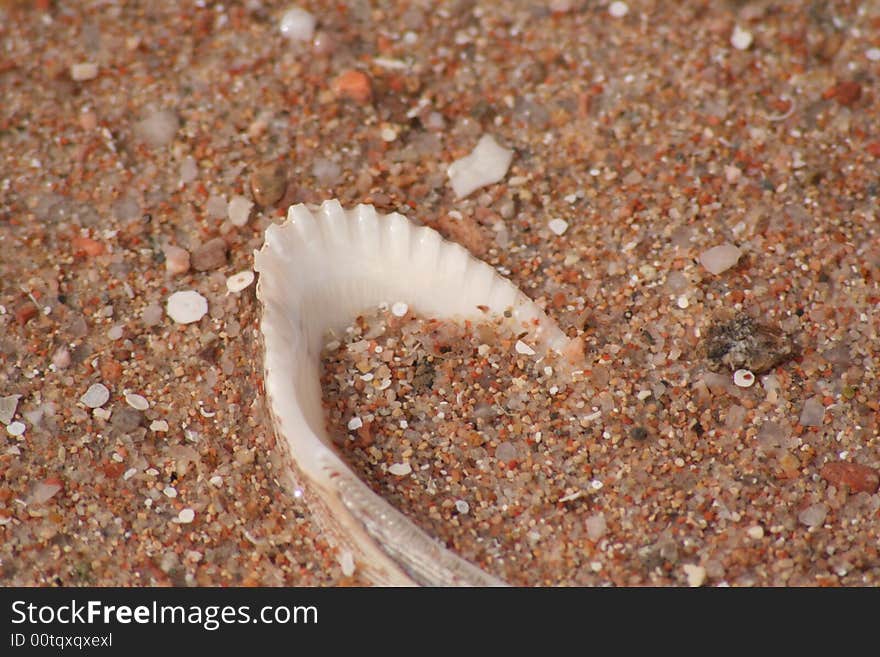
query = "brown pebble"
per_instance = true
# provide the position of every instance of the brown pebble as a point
(25, 313)
(210, 255)
(268, 183)
(177, 260)
(846, 93)
(87, 246)
(859, 478)
(111, 370)
(354, 85)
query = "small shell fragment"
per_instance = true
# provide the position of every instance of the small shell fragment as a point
(83, 71)
(557, 226)
(238, 282)
(618, 9)
(524, 349)
(186, 307)
(15, 428)
(239, 210)
(186, 516)
(400, 469)
(744, 378)
(487, 164)
(399, 309)
(297, 24)
(137, 402)
(720, 258)
(96, 396)
(741, 39)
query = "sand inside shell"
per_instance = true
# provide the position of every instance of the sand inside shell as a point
(530, 471)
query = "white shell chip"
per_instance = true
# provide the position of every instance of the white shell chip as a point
(186, 307)
(238, 210)
(743, 378)
(238, 282)
(96, 396)
(720, 258)
(487, 163)
(137, 402)
(399, 309)
(400, 469)
(15, 428)
(522, 348)
(297, 24)
(557, 226)
(186, 516)
(741, 39)
(618, 9)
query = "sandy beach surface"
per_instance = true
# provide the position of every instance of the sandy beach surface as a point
(692, 194)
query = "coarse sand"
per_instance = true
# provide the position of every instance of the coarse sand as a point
(133, 137)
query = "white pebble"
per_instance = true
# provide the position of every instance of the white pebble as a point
(873, 54)
(388, 134)
(102, 413)
(596, 484)
(239, 209)
(186, 307)
(84, 71)
(557, 226)
(297, 24)
(399, 309)
(524, 349)
(696, 575)
(741, 39)
(813, 515)
(618, 9)
(755, 532)
(128, 474)
(158, 425)
(462, 507)
(186, 516)
(596, 526)
(15, 428)
(170, 491)
(720, 258)
(487, 164)
(137, 402)
(682, 302)
(96, 396)
(216, 481)
(355, 423)
(743, 378)
(400, 469)
(114, 332)
(158, 129)
(346, 562)
(238, 282)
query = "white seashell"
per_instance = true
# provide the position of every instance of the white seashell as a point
(318, 271)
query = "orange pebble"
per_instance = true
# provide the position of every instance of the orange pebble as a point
(354, 85)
